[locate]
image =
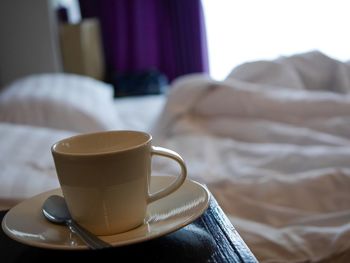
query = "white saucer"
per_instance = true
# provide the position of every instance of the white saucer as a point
(26, 224)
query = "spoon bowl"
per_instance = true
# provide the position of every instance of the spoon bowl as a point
(55, 210)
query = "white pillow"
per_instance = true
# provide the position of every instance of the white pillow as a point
(61, 101)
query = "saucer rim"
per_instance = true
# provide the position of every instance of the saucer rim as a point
(136, 240)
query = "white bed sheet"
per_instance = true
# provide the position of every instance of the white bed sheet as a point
(27, 167)
(275, 156)
(139, 113)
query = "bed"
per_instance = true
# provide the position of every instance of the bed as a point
(75, 103)
(271, 142)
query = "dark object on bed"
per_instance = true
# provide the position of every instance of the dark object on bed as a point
(148, 82)
(211, 238)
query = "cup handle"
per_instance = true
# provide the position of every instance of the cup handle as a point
(179, 180)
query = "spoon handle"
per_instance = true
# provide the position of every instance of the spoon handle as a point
(89, 239)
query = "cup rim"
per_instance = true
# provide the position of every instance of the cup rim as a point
(56, 151)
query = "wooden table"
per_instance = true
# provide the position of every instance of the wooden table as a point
(211, 238)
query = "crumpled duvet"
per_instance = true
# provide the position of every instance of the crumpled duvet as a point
(271, 142)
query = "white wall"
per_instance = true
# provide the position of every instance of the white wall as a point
(28, 39)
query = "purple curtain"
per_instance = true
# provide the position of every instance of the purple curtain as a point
(167, 35)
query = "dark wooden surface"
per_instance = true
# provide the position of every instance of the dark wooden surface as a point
(211, 238)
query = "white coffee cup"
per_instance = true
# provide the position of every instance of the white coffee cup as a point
(105, 178)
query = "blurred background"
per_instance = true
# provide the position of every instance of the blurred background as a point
(145, 44)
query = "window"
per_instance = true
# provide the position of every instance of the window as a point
(244, 30)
